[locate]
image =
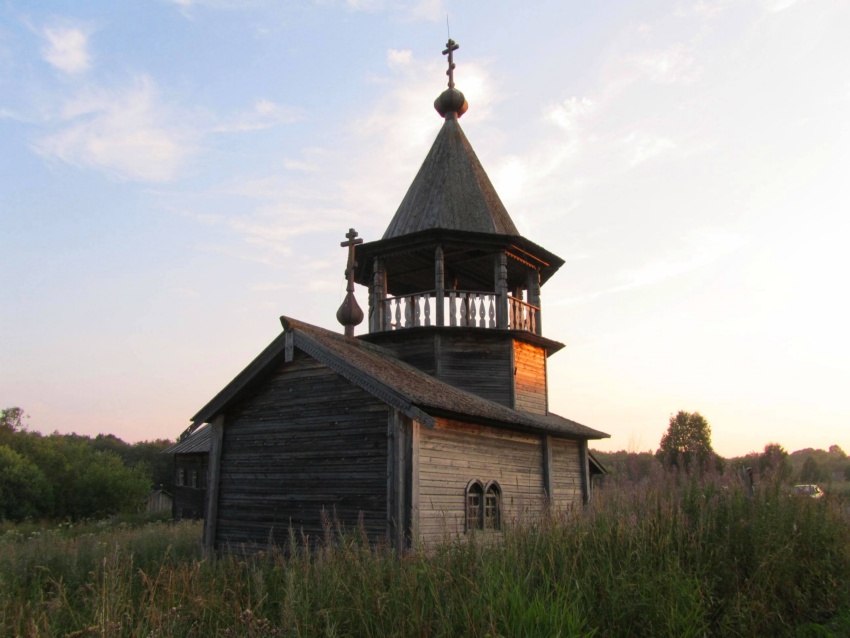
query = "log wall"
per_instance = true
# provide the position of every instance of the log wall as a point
(530, 378)
(566, 474)
(477, 363)
(453, 453)
(306, 442)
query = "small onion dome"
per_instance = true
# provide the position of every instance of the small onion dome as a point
(349, 313)
(451, 101)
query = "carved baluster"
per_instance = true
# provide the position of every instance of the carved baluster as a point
(452, 308)
(416, 311)
(492, 299)
(398, 301)
(464, 309)
(427, 301)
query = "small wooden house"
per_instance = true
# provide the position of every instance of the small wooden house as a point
(191, 464)
(434, 423)
(158, 501)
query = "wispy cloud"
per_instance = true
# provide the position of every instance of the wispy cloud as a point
(569, 113)
(399, 58)
(264, 115)
(697, 249)
(66, 48)
(641, 147)
(779, 5)
(124, 132)
(673, 65)
(424, 10)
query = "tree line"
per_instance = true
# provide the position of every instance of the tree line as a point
(686, 446)
(69, 476)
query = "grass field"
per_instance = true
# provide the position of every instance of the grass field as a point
(669, 558)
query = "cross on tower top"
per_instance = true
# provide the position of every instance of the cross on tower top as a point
(350, 244)
(451, 47)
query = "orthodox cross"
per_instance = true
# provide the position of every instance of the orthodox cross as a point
(349, 313)
(350, 244)
(451, 47)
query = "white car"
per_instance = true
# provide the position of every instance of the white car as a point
(812, 491)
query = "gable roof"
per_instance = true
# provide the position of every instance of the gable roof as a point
(451, 191)
(198, 442)
(377, 371)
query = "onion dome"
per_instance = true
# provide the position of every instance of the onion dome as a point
(451, 103)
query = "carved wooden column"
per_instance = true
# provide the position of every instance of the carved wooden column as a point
(502, 322)
(534, 299)
(439, 284)
(378, 296)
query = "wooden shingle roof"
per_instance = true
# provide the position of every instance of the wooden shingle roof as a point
(198, 442)
(400, 385)
(451, 192)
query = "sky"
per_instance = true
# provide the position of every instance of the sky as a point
(175, 175)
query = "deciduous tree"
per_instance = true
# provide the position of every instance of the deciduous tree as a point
(774, 462)
(687, 442)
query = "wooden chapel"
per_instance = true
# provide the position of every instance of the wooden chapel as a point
(433, 424)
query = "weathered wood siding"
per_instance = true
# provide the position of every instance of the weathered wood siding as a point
(478, 363)
(418, 350)
(530, 378)
(566, 474)
(307, 440)
(452, 453)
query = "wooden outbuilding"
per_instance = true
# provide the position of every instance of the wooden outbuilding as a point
(158, 501)
(191, 465)
(433, 424)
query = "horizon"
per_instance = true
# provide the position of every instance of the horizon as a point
(177, 174)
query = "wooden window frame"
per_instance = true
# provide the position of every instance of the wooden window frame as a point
(483, 506)
(492, 507)
(473, 504)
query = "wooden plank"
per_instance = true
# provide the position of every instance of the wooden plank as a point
(414, 483)
(548, 480)
(585, 471)
(213, 476)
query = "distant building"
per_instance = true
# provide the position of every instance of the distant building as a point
(191, 464)
(158, 501)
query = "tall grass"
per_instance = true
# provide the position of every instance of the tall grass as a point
(675, 557)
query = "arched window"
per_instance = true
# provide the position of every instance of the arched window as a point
(493, 506)
(474, 504)
(483, 505)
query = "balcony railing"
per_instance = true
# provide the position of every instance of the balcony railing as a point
(461, 308)
(522, 315)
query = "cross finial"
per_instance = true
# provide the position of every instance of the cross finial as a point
(349, 313)
(451, 47)
(351, 235)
